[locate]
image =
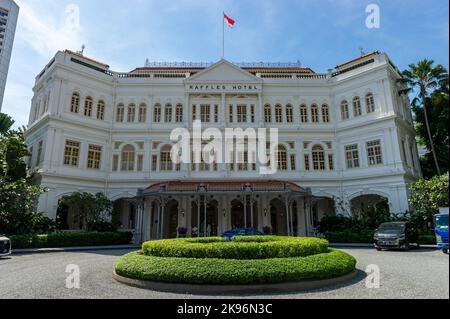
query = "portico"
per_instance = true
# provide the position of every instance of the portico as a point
(210, 208)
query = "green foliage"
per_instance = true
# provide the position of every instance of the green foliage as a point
(259, 247)
(18, 188)
(333, 263)
(358, 229)
(41, 224)
(350, 236)
(6, 122)
(428, 196)
(17, 204)
(94, 211)
(57, 240)
(430, 108)
(368, 220)
(438, 114)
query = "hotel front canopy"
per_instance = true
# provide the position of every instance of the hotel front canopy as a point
(346, 142)
(223, 205)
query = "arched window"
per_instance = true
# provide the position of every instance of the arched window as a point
(289, 114)
(88, 106)
(75, 103)
(157, 113)
(325, 113)
(315, 113)
(101, 110)
(179, 113)
(120, 113)
(267, 113)
(344, 110)
(282, 158)
(142, 113)
(357, 107)
(165, 161)
(304, 113)
(318, 156)
(278, 114)
(128, 158)
(370, 103)
(168, 113)
(131, 113)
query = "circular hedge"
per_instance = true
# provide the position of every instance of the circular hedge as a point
(210, 271)
(242, 261)
(260, 247)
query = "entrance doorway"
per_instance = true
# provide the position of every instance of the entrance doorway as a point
(212, 219)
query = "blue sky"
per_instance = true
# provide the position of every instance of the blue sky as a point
(319, 33)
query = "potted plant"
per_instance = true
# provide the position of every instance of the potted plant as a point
(182, 231)
(267, 230)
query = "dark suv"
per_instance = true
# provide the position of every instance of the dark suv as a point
(396, 235)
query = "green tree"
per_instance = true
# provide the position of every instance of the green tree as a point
(438, 115)
(18, 188)
(92, 211)
(428, 196)
(424, 78)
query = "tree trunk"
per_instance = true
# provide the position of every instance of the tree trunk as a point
(427, 124)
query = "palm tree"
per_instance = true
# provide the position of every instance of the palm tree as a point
(6, 122)
(423, 77)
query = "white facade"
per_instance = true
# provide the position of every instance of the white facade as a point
(372, 152)
(9, 12)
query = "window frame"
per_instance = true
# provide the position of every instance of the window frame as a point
(94, 157)
(357, 108)
(371, 150)
(352, 158)
(72, 153)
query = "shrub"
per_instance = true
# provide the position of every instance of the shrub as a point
(101, 226)
(428, 196)
(258, 247)
(332, 263)
(57, 240)
(349, 236)
(41, 224)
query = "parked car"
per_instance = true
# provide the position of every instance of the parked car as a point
(396, 235)
(5, 246)
(441, 230)
(242, 232)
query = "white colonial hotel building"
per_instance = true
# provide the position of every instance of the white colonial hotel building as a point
(346, 141)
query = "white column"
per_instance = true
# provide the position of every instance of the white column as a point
(308, 219)
(259, 111)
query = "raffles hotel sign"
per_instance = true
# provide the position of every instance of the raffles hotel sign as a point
(223, 88)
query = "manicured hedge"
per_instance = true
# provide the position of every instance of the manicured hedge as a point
(350, 237)
(58, 240)
(333, 263)
(366, 237)
(259, 247)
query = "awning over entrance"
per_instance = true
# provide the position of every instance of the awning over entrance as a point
(211, 187)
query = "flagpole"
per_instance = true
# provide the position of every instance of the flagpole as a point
(223, 35)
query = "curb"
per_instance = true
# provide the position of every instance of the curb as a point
(71, 249)
(235, 289)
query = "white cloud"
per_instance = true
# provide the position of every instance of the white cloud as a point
(44, 34)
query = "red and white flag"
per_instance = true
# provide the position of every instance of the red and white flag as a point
(229, 21)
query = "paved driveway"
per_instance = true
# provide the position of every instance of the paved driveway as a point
(414, 274)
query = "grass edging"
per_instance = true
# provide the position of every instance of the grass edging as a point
(210, 271)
